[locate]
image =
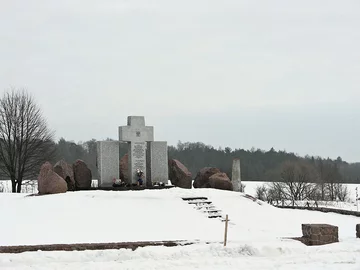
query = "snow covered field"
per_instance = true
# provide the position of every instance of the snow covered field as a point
(256, 236)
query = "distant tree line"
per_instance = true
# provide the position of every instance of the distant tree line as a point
(256, 165)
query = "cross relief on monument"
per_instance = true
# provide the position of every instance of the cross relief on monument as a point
(136, 131)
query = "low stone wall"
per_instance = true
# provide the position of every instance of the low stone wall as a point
(92, 246)
(322, 209)
(357, 230)
(319, 234)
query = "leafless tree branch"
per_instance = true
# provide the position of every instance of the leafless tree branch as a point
(25, 140)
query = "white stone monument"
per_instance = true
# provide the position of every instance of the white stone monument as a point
(236, 175)
(137, 135)
(144, 153)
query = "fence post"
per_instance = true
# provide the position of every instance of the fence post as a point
(226, 229)
(357, 199)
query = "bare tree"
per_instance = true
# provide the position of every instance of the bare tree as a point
(342, 192)
(261, 193)
(276, 191)
(322, 172)
(330, 180)
(295, 180)
(25, 141)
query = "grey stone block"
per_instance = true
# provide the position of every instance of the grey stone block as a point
(320, 234)
(136, 121)
(107, 162)
(157, 160)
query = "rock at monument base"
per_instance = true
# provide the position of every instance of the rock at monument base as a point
(220, 181)
(124, 168)
(179, 175)
(49, 182)
(65, 171)
(202, 177)
(82, 175)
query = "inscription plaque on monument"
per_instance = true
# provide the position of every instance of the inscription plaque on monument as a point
(137, 158)
(138, 151)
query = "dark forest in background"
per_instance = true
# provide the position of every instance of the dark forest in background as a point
(256, 164)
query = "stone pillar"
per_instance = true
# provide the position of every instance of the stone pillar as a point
(137, 160)
(107, 162)
(157, 162)
(236, 175)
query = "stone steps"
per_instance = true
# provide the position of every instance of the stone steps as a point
(200, 203)
(211, 211)
(215, 216)
(205, 206)
(194, 198)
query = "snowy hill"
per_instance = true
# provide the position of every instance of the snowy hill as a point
(255, 230)
(109, 216)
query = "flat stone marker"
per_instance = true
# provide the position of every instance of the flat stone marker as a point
(319, 234)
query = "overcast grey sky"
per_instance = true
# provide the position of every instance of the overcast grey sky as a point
(282, 74)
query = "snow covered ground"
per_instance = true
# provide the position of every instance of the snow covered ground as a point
(234, 257)
(257, 232)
